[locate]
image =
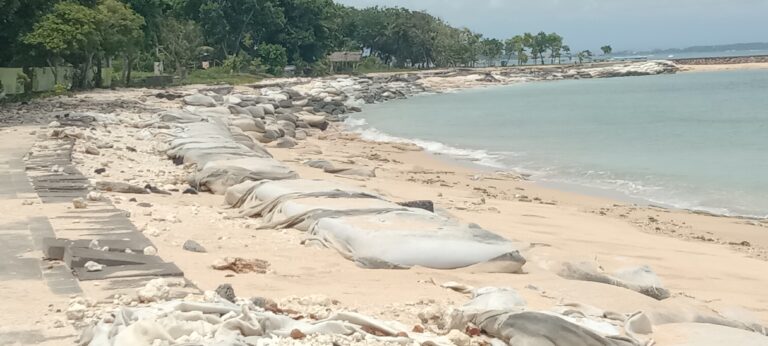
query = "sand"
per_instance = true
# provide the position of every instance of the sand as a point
(709, 261)
(565, 225)
(725, 67)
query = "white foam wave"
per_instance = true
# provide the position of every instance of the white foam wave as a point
(480, 157)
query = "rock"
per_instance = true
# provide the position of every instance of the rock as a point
(167, 218)
(154, 189)
(256, 111)
(193, 246)
(286, 142)
(150, 251)
(99, 170)
(268, 108)
(144, 205)
(301, 134)
(92, 266)
(199, 100)
(76, 311)
(113, 186)
(237, 110)
(94, 196)
(285, 104)
(297, 334)
(53, 124)
(154, 291)
(91, 150)
(189, 191)
(424, 204)
(459, 338)
(227, 292)
(79, 203)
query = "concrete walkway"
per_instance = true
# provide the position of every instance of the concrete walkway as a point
(30, 289)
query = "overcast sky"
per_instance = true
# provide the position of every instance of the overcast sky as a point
(589, 24)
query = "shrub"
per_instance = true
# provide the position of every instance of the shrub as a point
(274, 57)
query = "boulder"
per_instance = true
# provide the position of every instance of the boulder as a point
(247, 124)
(193, 246)
(199, 100)
(285, 142)
(227, 292)
(256, 111)
(237, 110)
(268, 108)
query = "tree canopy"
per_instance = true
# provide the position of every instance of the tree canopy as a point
(268, 34)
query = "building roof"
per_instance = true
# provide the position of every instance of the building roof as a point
(345, 56)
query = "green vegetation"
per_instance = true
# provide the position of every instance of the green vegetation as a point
(606, 49)
(243, 39)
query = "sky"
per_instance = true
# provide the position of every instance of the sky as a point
(589, 24)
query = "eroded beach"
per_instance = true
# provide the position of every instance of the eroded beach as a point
(619, 274)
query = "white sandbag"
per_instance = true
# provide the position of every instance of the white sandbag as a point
(218, 176)
(268, 108)
(199, 100)
(402, 239)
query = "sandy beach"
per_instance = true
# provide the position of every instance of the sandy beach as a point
(725, 67)
(711, 265)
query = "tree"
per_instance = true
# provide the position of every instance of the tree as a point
(121, 34)
(180, 40)
(275, 57)
(555, 44)
(606, 49)
(567, 50)
(17, 19)
(69, 32)
(516, 46)
(491, 49)
(584, 55)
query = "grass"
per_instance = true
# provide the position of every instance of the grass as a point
(218, 75)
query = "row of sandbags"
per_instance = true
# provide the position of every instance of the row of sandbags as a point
(224, 154)
(371, 231)
(361, 226)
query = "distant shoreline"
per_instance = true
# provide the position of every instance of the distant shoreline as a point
(728, 63)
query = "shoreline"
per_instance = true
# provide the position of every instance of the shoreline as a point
(684, 249)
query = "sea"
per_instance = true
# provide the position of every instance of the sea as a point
(691, 140)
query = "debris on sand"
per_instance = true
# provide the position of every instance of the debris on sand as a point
(241, 265)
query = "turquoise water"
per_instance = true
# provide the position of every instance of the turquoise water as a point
(691, 140)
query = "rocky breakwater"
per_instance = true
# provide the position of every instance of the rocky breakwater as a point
(623, 70)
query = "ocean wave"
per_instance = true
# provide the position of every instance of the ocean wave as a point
(480, 157)
(652, 190)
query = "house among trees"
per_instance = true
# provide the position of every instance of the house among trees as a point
(345, 61)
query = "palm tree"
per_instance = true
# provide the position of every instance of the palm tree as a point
(567, 51)
(606, 49)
